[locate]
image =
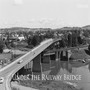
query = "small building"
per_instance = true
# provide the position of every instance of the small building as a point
(20, 38)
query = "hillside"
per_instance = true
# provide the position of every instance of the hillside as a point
(86, 27)
(15, 29)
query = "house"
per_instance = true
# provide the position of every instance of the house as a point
(20, 38)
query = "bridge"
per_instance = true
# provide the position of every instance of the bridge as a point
(8, 71)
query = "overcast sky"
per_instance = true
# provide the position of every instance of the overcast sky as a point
(44, 13)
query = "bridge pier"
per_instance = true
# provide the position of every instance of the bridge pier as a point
(64, 56)
(37, 68)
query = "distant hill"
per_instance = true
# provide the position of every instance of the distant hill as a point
(86, 27)
(69, 28)
(16, 29)
(64, 28)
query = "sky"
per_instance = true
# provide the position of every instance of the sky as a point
(44, 13)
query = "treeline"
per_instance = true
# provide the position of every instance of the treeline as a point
(70, 38)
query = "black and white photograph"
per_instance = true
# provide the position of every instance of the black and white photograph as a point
(44, 45)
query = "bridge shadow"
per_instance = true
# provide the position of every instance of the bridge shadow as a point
(87, 52)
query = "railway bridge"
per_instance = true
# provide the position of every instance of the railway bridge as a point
(35, 56)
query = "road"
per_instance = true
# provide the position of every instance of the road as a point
(8, 71)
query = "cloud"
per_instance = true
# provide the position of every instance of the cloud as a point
(46, 20)
(41, 20)
(18, 2)
(83, 6)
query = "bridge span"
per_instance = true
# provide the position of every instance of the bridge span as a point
(8, 71)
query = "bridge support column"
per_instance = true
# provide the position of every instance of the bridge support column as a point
(52, 60)
(36, 68)
(64, 56)
(45, 62)
(45, 59)
(69, 65)
(56, 56)
(58, 59)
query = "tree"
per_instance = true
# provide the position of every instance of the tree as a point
(35, 40)
(89, 47)
(29, 40)
(69, 39)
(1, 46)
(80, 41)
